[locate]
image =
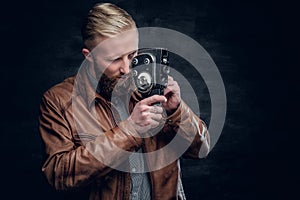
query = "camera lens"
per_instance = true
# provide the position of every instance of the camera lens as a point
(135, 61)
(134, 73)
(146, 61)
(144, 82)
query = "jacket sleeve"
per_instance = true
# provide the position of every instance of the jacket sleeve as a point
(68, 166)
(192, 130)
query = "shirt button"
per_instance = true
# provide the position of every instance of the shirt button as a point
(133, 169)
(135, 194)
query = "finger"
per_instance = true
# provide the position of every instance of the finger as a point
(167, 92)
(172, 84)
(141, 108)
(156, 117)
(170, 81)
(146, 122)
(154, 99)
(154, 124)
(170, 78)
(172, 88)
(156, 109)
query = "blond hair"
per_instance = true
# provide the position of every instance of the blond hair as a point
(105, 19)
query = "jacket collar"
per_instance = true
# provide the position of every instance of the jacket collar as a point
(86, 86)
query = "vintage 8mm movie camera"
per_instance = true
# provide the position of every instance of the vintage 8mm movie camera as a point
(150, 69)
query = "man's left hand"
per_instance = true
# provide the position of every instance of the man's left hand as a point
(172, 93)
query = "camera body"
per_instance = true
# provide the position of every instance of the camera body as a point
(150, 70)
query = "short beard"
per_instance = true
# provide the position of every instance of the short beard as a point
(106, 86)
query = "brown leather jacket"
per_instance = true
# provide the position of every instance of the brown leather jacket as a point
(77, 158)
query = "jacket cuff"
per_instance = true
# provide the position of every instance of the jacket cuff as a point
(175, 117)
(130, 132)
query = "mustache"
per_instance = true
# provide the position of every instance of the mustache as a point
(124, 84)
(120, 84)
(122, 76)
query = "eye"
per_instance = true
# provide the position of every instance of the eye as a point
(113, 60)
(130, 56)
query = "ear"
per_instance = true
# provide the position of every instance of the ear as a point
(87, 54)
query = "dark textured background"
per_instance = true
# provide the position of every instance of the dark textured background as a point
(250, 41)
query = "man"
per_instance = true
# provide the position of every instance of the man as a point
(95, 143)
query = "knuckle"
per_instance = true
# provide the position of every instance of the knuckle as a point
(160, 117)
(154, 97)
(144, 114)
(143, 108)
(160, 109)
(147, 122)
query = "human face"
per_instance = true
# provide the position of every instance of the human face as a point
(112, 56)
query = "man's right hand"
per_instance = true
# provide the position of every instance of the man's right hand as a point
(145, 115)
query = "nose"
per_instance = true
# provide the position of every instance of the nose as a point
(125, 65)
